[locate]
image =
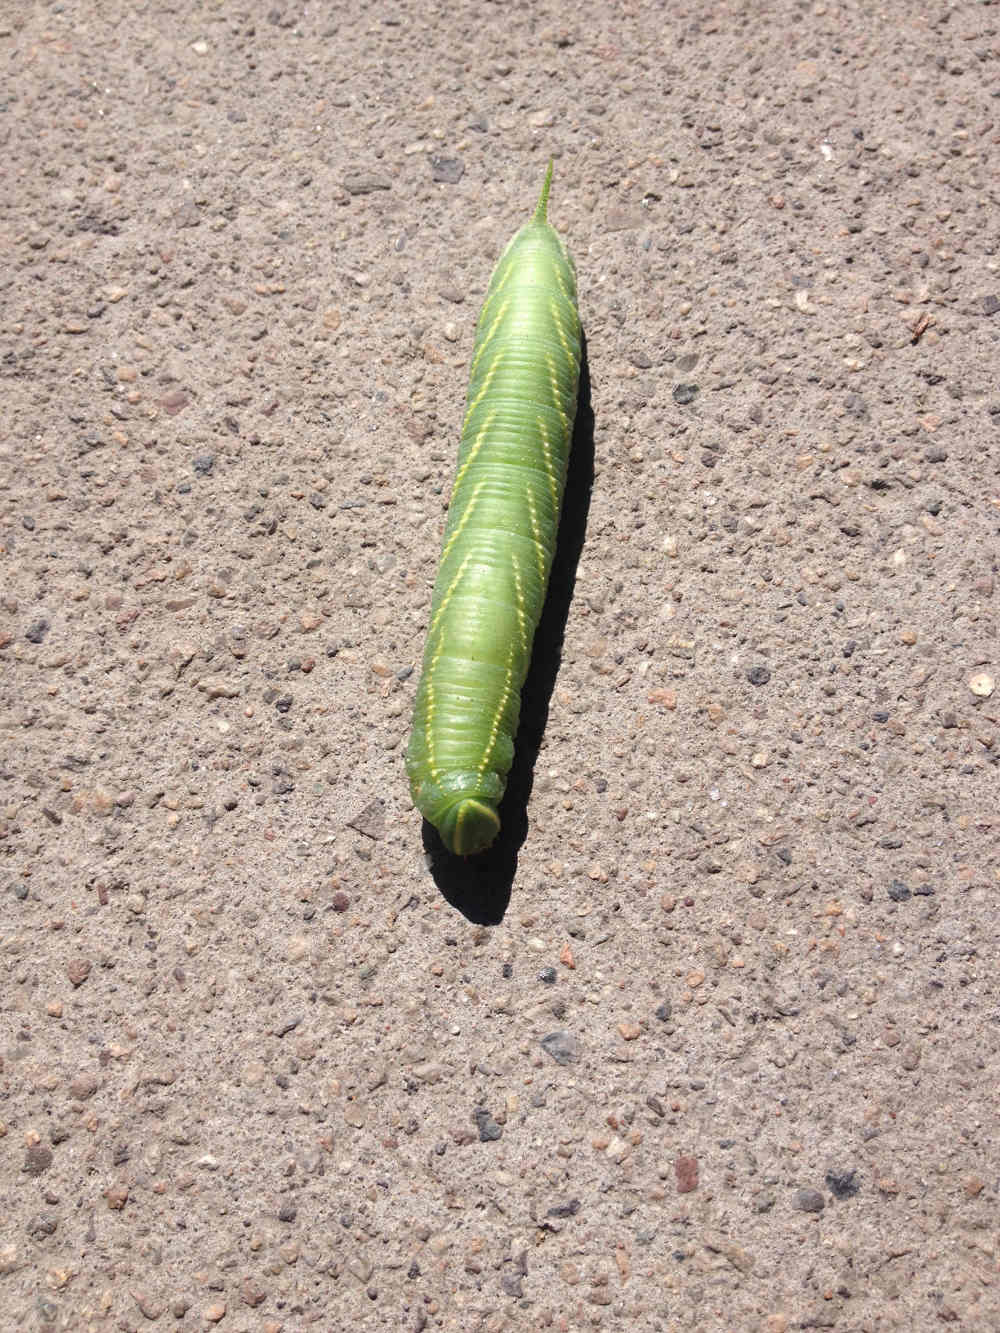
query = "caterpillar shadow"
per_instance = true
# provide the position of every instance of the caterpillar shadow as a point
(480, 886)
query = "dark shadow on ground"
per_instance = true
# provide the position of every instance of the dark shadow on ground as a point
(480, 886)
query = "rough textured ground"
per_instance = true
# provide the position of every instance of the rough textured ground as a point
(728, 1059)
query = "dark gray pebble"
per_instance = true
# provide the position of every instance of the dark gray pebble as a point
(37, 631)
(898, 891)
(568, 1209)
(548, 975)
(564, 1048)
(685, 393)
(447, 170)
(489, 1130)
(204, 463)
(808, 1201)
(843, 1184)
(758, 675)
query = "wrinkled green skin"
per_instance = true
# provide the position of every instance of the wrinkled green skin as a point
(500, 537)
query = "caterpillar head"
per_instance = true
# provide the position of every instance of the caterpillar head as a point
(469, 826)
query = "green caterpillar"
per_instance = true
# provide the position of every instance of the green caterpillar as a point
(500, 536)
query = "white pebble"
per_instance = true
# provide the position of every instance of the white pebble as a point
(982, 685)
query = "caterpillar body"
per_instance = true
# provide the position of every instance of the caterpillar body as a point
(500, 536)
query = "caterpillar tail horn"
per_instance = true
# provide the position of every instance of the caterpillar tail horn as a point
(541, 212)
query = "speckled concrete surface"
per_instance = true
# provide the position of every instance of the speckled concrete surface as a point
(712, 1042)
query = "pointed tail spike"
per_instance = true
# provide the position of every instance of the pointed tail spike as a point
(543, 202)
